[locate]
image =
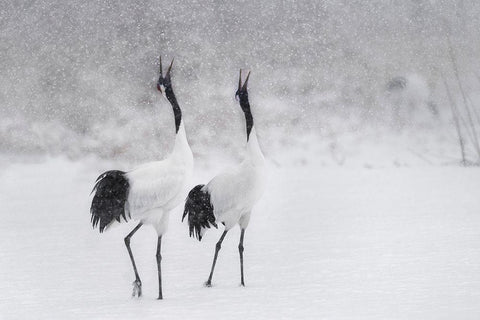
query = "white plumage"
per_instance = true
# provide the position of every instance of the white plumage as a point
(234, 192)
(148, 193)
(230, 196)
(158, 187)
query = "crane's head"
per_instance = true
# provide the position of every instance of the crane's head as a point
(242, 96)
(242, 93)
(164, 83)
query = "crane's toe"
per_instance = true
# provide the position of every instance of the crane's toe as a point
(137, 288)
(207, 284)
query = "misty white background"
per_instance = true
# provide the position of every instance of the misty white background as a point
(73, 74)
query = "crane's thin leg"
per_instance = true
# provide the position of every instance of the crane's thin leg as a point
(240, 250)
(217, 248)
(137, 284)
(159, 260)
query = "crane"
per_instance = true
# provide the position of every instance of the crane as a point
(231, 195)
(149, 192)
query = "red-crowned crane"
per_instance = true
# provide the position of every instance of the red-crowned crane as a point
(148, 193)
(230, 196)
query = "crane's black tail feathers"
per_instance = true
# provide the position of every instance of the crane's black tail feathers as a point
(200, 211)
(108, 204)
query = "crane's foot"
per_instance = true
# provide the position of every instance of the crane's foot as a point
(137, 288)
(207, 284)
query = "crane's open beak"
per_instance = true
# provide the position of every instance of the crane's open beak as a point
(240, 87)
(164, 81)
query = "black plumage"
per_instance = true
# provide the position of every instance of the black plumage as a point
(111, 193)
(199, 210)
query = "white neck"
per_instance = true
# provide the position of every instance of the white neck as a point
(254, 153)
(182, 148)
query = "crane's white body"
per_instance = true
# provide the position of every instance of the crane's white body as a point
(149, 192)
(234, 192)
(158, 187)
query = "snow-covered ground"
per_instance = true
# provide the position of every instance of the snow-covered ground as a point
(325, 242)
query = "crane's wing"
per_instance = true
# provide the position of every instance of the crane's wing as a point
(235, 190)
(154, 184)
(228, 190)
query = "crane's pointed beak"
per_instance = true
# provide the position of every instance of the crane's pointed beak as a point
(161, 69)
(169, 69)
(240, 81)
(246, 81)
(160, 78)
(237, 94)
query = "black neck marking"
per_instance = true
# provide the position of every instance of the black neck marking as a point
(248, 114)
(176, 108)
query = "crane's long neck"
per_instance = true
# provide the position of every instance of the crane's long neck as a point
(248, 115)
(253, 148)
(181, 148)
(248, 122)
(177, 112)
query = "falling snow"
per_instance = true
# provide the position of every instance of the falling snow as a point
(361, 108)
